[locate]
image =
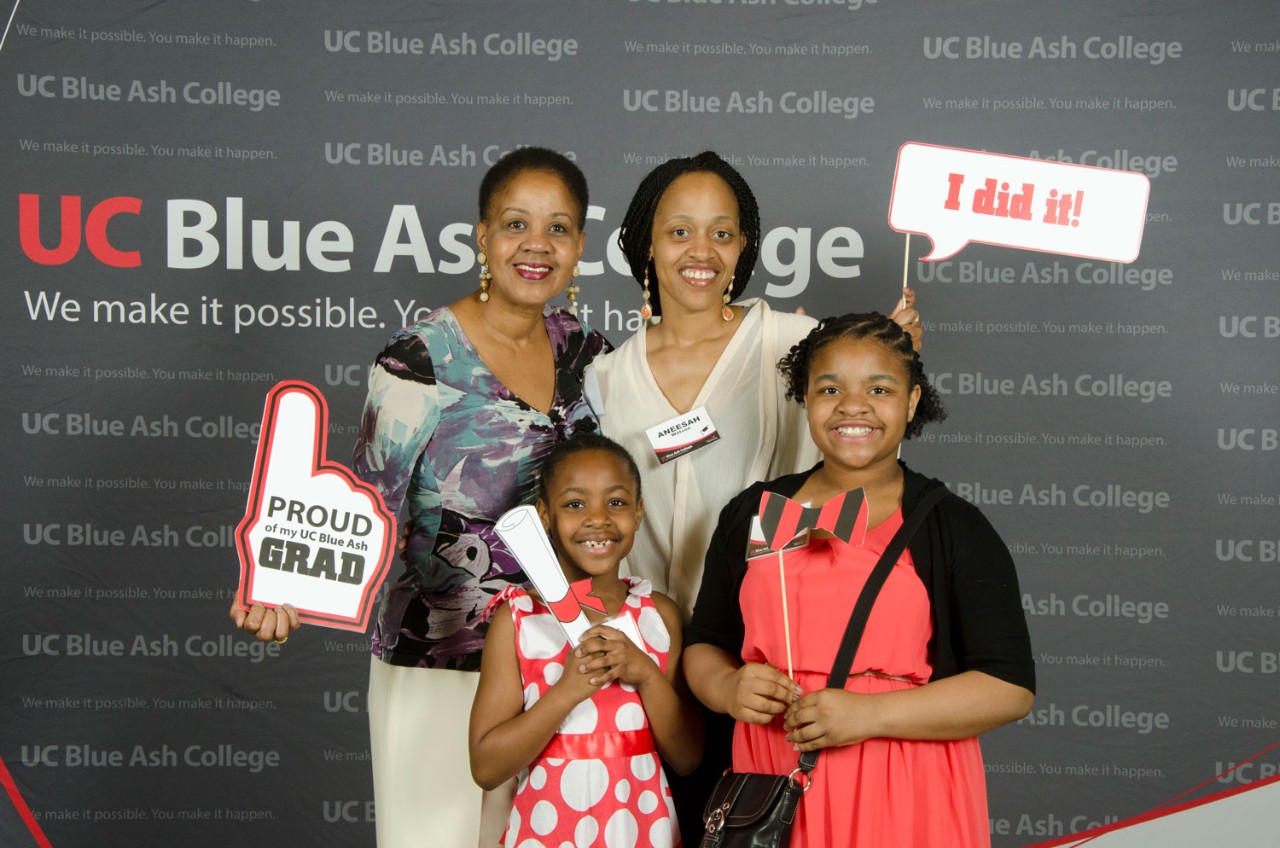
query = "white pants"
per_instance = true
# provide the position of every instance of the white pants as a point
(423, 793)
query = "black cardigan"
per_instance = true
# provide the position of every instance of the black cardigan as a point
(976, 606)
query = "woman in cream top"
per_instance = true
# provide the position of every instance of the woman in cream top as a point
(758, 440)
(691, 236)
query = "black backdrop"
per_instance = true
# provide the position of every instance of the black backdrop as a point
(201, 199)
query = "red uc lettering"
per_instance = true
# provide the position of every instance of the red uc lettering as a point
(95, 231)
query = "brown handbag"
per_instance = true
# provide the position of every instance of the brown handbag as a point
(753, 810)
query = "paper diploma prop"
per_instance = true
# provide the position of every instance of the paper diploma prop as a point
(956, 196)
(521, 531)
(781, 520)
(312, 535)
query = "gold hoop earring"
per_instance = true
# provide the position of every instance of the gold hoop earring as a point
(485, 277)
(727, 311)
(646, 311)
(572, 291)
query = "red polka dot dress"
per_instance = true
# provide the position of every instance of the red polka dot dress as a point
(599, 781)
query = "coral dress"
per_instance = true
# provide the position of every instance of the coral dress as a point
(599, 781)
(882, 792)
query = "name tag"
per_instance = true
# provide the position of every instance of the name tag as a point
(681, 435)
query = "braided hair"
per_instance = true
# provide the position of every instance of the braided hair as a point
(794, 367)
(584, 438)
(635, 237)
(523, 159)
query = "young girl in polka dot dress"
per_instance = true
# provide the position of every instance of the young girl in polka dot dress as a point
(583, 728)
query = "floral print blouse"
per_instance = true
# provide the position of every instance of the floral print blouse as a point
(443, 437)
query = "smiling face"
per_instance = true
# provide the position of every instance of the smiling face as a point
(591, 512)
(531, 235)
(696, 242)
(858, 403)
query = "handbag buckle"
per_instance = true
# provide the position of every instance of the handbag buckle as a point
(715, 821)
(804, 784)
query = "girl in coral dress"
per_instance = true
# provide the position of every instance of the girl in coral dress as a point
(583, 727)
(945, 654)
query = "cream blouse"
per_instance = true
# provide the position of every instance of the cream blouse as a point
(762, 435)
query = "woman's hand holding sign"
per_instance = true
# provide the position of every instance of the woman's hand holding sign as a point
(265, 624)
(312, 535)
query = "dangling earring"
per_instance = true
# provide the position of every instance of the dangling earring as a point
(727, 312)
(646, 311)
(572, 291)
(483, 259)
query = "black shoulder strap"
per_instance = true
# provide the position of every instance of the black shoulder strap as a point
(867, 598)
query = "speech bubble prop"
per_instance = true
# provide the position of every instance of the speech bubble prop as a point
(521, 531)
(956, 196)
(313, 535)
